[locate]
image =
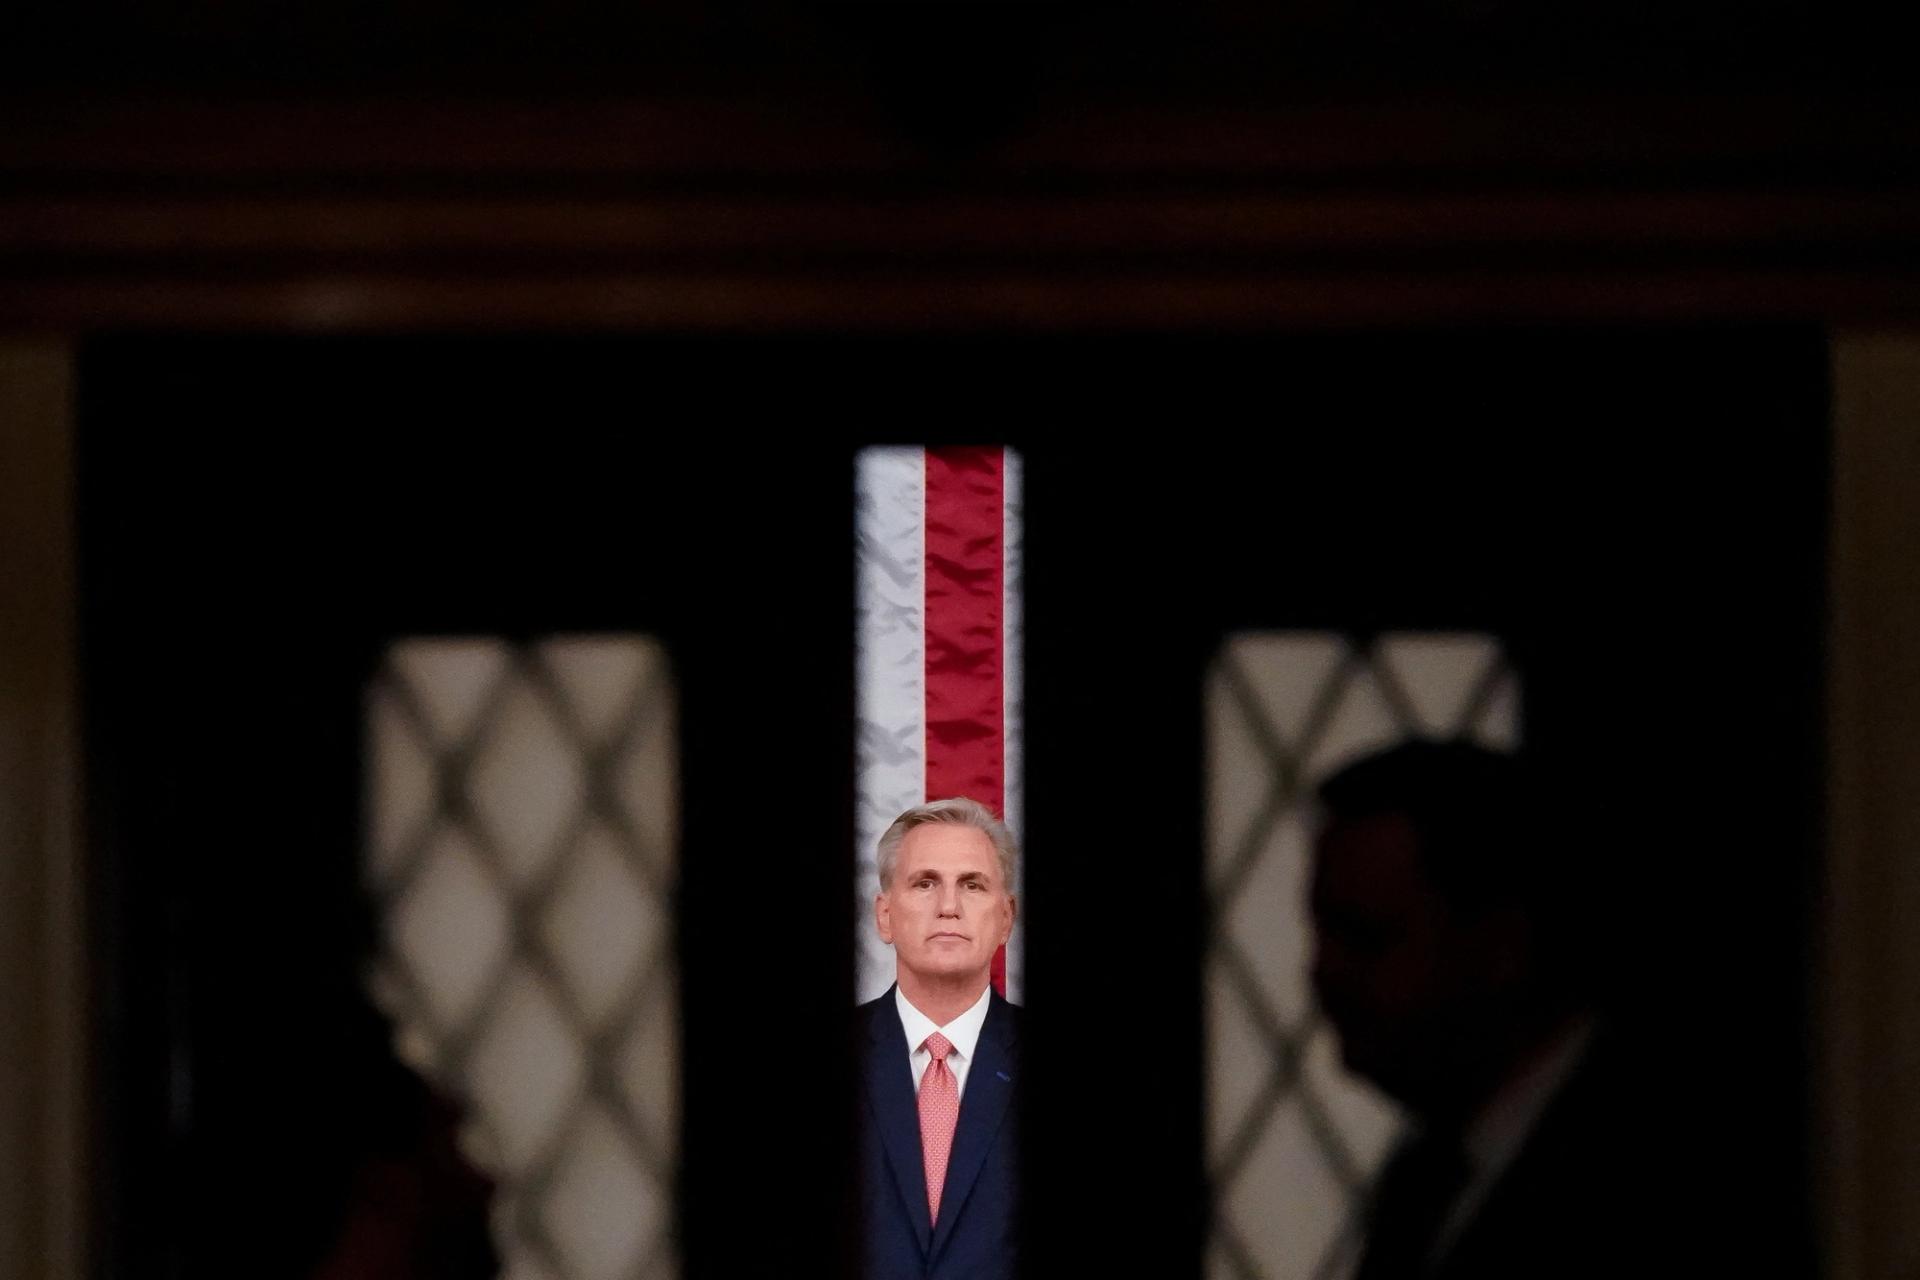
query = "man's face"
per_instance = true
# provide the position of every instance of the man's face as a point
(947, 910)
(1406, 980)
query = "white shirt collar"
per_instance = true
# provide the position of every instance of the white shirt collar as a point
(963, 1033)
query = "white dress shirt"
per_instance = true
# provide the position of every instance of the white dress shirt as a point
(963, 1033)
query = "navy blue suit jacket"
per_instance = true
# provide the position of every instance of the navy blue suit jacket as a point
(975, 1237)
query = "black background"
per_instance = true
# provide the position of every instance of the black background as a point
(1640, 515)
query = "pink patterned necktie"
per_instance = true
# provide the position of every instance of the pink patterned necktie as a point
(939, 1113)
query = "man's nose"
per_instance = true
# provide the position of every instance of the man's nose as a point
(950, 900)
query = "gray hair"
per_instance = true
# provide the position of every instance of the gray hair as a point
(958, 811)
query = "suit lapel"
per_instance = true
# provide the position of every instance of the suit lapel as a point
(989, 1091)
(896, 1116)
(1522, 1201)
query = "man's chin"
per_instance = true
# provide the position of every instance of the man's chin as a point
(950, 969)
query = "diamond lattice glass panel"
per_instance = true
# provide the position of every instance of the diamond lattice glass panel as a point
(1277, 958)
(402, 807)
(1276, 1204)
(525, 1071)
(601, 925)
(525, 784)
(448, 683)
(1293, 1141)
(449, 931)
(521, 848)
(599, 1210)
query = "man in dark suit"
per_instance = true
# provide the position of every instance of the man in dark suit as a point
(1455, 946)
(941, 1054)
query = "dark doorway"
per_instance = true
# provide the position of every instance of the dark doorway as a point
(1641, 514)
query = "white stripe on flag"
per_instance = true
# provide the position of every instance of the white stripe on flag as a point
(890, 733)
(1011, 675)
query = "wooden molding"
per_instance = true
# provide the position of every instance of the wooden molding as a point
(751, 213)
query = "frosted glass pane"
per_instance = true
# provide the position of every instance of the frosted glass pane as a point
(527, 785)
(1439, 675)
(600, 1211)
(1288, 674)
(1237, 775)
(527, 1068)
(527, 930)
(451, 929)
(1268, 921)
(1284, 711)
(598, 677)
(601, 924)
(450, 680)
(1363, 721)
(1285, 1204)
(404, 803)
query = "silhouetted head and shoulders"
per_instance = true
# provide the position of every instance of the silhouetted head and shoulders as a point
(1452, 943)
(1456, 959)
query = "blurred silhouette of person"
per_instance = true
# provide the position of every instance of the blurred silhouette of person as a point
(941, 1053)
(1454, 958)
(414, 1206)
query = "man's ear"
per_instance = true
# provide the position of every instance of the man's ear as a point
(883, 917)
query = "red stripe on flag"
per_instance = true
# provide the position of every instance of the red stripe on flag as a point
(966, 707)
